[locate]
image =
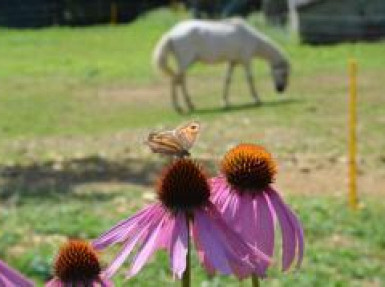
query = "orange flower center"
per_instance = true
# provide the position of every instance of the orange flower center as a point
(77, 262)
(249, 167)
(183, 186)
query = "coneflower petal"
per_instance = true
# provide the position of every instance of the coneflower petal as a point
(300, 236)
(123, 230)
(225, 250)
(148, 247)
(267, 209)
(178, 245)
(295, 224)
(289, 241)
(12, 278)
(245, 221)
(255, 222)
(250, 215)
(264, 225)
(139, 229)
(211, 243)
(104, 283)
(219, 190)
(226, 201)
(127, 248)
(256, 258)
(53, 283)
(164, 238)
(202, 256)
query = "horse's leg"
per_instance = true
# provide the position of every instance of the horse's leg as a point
(174, 95)
(183, 62)
(230, 68)
(185, 93)
(250, 80)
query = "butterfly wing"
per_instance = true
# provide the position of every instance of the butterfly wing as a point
(165, 143)
(187, 134)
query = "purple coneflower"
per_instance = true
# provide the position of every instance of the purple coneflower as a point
(183, 191)
(247, 201)
(77, 264)
(12, 278)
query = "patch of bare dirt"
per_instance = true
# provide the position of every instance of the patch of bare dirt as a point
(321, 175)
(139, 94)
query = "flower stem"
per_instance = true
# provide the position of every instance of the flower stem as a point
(186, 279)
(254, 281)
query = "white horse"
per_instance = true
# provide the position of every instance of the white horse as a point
(230, 40)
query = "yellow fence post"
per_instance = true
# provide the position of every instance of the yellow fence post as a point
(353, 199)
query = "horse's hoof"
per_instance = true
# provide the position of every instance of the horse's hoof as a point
(226, 107)
(257, 103)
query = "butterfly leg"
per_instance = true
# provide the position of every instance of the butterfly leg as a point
(229, 73)
(174, 96)
(185, 93)
(250, 81)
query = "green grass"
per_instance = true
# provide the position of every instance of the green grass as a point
(76, 104)
(50, 79)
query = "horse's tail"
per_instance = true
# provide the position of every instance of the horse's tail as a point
(161, 51)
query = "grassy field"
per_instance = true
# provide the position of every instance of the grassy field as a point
(76, 104)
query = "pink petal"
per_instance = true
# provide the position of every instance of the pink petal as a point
(257, 258)
(126, 228)
(12, 278)
(102, 281)
(228, 205)
(124, 253)
(225, 250)
(130, 242)
(299, 235)
(147, 249)
(105, 283)
(244, 221)
(291, 236)
(210, 243)
(219, 189)
(178, 245)
(296, 225)
(165, 236)
(201, 254)
(55, 282)
(301, 240)
(249, 216)
(264, 223)
(254, 222)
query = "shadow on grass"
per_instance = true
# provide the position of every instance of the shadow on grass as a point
(52, 177)
(248, 106)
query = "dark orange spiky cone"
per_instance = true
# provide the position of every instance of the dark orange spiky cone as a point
(183, 186)
(249, 167)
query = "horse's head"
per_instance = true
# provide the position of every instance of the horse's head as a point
(280, 73)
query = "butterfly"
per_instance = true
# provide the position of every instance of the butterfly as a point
(175, 142)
